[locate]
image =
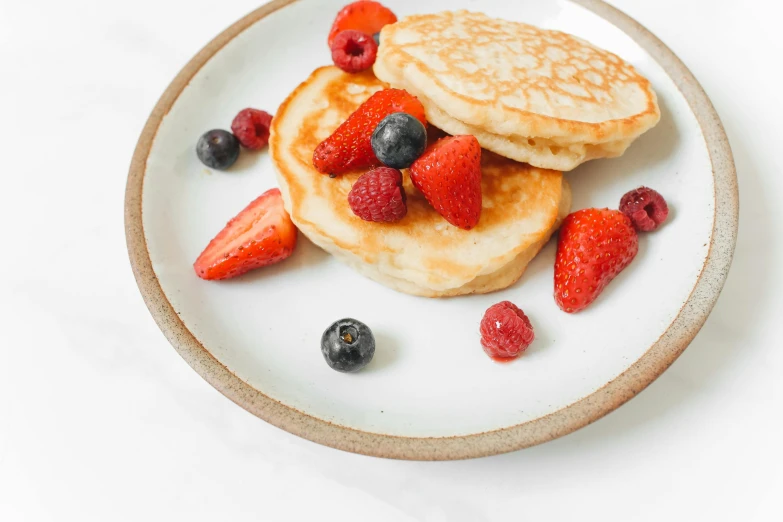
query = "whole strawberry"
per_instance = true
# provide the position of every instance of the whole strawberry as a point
(366, 16)
(594, 246)
(350, 146)
(449, 176)
(378, 196)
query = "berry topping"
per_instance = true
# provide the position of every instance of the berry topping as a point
(594, 246)
(260, 235)
(365, 16)
(379, 196)
(449, 176)
(398, 140)
(251, 127)
(348, 345)
(506, 331)
(377, 38)
(350, 147)
(646, 208)
(354, 51)
(217, 149)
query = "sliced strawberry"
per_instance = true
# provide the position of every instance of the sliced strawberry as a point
(594, 246)
(365, 16)
(449, 176)
(260, 235)
(349, 147)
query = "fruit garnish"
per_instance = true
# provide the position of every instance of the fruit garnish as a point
(594, 246)
(449, 176)
(365, 16)
(347, 345)
(506, 331)
(260, 235)
(251, 128)
(354, 51)
(349, 147)
(217, 149)
(379, 196)
(646, 208)
(399, 140)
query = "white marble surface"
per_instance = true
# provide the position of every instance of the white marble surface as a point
(101, 420)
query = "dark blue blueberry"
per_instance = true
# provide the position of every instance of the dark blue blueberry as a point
(398, 140)
(377, 37)
(217, 149)
(348, 345)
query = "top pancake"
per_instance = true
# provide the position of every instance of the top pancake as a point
(421, 254)
(510, 79)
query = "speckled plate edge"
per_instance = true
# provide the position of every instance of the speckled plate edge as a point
(589, 409)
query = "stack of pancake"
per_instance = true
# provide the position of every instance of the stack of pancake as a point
(528, 95)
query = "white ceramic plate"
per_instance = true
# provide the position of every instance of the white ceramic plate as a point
(430, 392)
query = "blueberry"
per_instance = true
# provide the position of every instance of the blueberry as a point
(398, 140)
(217, 149)
(348, 345)
(377, 37)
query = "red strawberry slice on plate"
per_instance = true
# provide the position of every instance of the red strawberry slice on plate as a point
(365, 16)
(594, 246)
(350, 147)
(260, 235)
(449, 176)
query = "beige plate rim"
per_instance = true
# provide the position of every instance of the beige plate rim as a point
(657, 358)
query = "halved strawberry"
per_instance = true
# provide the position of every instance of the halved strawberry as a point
(365, 16)
(449, 176)
(594, 246)
(260, 235)
(349, 147)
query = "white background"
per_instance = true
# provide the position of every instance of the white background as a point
(100, 419)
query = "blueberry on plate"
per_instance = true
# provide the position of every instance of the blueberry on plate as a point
(217, 149)
(398, 140)
(348, 345)
(377, 37)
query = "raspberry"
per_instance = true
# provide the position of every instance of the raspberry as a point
(354, 51)
(645, 207)
(251, 127)
(505, 331)
(379, 196)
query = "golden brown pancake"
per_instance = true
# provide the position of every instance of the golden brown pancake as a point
(535, 95)
(422, 254)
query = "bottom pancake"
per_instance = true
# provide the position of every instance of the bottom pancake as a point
(501, 278)
(422, 254)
